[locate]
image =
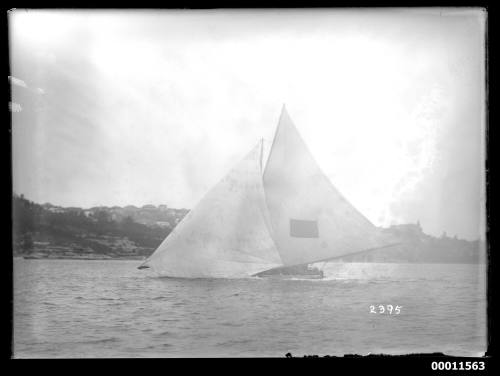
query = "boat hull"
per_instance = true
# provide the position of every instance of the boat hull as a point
(292, 272)
(292, 276)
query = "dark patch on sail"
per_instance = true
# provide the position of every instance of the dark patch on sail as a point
(303, 229)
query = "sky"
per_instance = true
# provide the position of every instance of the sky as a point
(154, 107)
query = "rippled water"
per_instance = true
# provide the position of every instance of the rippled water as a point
(76, 308)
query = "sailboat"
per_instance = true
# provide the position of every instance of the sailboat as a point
(272, 220)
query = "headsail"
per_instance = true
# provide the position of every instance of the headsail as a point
(310, 219)
(226, 235)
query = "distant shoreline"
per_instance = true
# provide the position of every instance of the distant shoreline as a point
(79, 258)
(131, 233)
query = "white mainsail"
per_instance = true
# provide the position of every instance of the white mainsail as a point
(226, 235)
(310, 220)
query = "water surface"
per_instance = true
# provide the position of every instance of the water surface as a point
(77, 308)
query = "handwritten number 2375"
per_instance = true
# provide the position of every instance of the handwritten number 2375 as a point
(389, 308)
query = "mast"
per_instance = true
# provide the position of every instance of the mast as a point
(283, 111)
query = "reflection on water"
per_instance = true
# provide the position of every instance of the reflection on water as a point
(75, 308)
